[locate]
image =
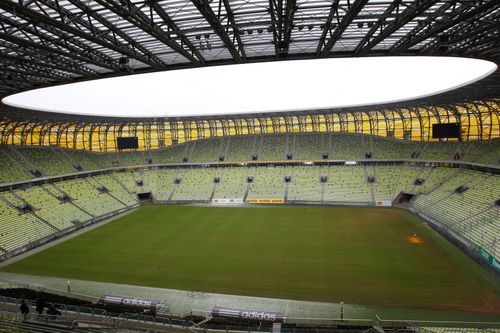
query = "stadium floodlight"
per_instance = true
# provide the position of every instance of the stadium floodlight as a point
(259, 87)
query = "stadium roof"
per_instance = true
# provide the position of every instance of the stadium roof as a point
(44, 42)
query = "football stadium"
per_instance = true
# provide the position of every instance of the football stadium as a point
(250, 166)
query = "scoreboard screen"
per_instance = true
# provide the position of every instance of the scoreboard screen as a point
(451, 130)
(127, 143)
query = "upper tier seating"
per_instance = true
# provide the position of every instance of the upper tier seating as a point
(308, 146)
(487, 152)
(174, 154)
(242, 148)
(50, 162)
(347, 147)
(22, 163)
(439, 151)
(272, 148)
(10, 170)
(130, 158)
(382, 148)
(207, 151)
(87, 160)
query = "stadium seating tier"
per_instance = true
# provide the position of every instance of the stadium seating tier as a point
(472, 215)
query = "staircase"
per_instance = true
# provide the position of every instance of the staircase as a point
(287, 146)
(53, 227)
(48, 192)
(198, 325)
(246, 192)
(323, 185)
(8, 203)
(226, 151)
(189, 150)
(67, 159)
(108, 192)
(116, 179)
(177, 175)
(372, 193)
(172, 193)
(218, 173)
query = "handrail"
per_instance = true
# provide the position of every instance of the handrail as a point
(438, 323)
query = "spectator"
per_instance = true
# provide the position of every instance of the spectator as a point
(25, 310)
(40, 305)
(52, 312)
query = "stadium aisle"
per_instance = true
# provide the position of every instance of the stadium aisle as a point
(182, 302)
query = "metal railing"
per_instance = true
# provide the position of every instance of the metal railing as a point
(72, 314)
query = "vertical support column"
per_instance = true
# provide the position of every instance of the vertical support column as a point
(174, 131)
(160, 133)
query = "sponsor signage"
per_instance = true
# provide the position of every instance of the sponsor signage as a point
(227, 201)
(490, 258)
(130, 301)
(266, 201)
(249, 314)
(383, 203)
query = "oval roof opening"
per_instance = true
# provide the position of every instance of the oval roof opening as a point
(259, 87)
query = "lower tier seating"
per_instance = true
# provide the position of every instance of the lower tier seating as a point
(347, 184)
(61, 214)
(267, 183)
(465, 204)
(18, 230)
(306, 184)
(194, 184)
(461, 200)
(232, 183)
(161, 182)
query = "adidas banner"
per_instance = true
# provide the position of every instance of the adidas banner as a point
(249, 314)
(129, 301)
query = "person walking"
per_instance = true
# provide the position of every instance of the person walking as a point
(40, 305)
(25, 310)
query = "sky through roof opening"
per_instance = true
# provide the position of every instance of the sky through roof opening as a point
(259, 87)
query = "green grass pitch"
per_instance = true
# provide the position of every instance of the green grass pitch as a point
(379, 256)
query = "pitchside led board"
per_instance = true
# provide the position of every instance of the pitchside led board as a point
(450, 130)
(127, 143)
